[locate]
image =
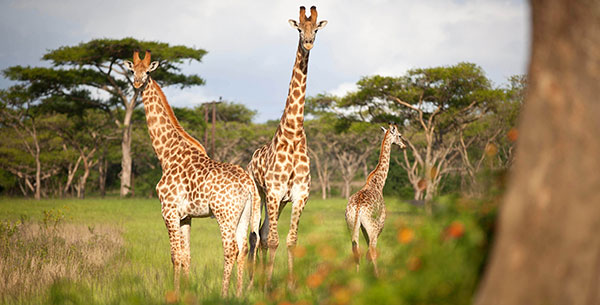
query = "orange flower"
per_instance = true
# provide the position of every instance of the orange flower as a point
(341, 295)
(314, 280)
(491, 149)
(299, 251)
(327, 252)
(513, 134)
(455, 230)
(405, 235)
(413, 263)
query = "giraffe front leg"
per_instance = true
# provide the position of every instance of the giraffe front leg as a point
(273, 236)
(292, 237)
(185, 228)
(175, 240)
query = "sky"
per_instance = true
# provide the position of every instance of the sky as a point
(251, 46)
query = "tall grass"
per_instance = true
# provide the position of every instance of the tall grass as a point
(423, 259)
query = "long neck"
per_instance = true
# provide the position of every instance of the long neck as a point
(168, 137)
(377, 177)
(292, 119)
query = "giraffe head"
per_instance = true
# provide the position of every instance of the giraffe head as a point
(140, 68)
(308, 27)
(396, 136)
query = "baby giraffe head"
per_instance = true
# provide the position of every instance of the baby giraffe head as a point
(308, 27)
(396, 136)
(140, 68)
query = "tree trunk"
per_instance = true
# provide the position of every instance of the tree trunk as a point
(547, 249)
(102, 170)
(38, 171)
(126, 162)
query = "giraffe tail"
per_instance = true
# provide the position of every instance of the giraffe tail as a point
(254, 230)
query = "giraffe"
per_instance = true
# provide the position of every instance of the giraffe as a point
(193, 185)
(281, 167)
(366, 208)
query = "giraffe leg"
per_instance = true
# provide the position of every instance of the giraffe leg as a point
(292, 237)
(230, 252)
(353, 226)
(264, 233)
(371, 233)
(185, 226)
(175, 239)
(241, 239)
(372, 253)
(273, 236)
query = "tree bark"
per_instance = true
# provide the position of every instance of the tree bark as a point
(547, 249)
(126, 162)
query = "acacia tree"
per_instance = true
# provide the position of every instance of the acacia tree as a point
(488, 143)
(97, 67)
(430, 102)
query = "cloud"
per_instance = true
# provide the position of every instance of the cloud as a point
(251, 46)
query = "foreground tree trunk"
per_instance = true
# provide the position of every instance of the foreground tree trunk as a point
(547, 249)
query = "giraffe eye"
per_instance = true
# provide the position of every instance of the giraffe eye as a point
(147, 72)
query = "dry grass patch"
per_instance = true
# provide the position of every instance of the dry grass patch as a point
(34, 255)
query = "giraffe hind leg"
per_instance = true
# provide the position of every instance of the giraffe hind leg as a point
(241, 234)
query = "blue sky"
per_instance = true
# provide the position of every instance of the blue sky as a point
(251, 46)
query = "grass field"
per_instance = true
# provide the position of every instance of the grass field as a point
(113, 251)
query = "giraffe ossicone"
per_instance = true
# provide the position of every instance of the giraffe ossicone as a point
(193, 185)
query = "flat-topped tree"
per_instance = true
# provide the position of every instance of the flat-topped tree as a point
(97, 65)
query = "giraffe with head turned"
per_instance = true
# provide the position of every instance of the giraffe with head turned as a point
(281, 169)
(366, 208)
(193, 185)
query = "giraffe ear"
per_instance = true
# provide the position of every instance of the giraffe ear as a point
(128, 64)
(293, 23)
(383, 128)
(153, 66)
(321, 24)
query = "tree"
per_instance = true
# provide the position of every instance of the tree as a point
(352, 145)
(20, 111)
(487, 145)
(431, 103)
(320, 148)
(86, 135)
(97, 66)
(547, 249)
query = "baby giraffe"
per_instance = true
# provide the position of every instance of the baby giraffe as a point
(366, 209)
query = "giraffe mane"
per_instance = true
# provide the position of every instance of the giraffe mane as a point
(173, 119)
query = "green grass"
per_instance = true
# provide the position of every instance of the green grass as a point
(141, 272)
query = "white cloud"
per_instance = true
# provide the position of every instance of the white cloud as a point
(343, 89)
(251, 46)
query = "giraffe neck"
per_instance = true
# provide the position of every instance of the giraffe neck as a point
(378, 176)
(292, 120)
(168, 137)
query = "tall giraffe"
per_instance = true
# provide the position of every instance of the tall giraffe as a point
(366, 208)
(193, 185)
(281, 168)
